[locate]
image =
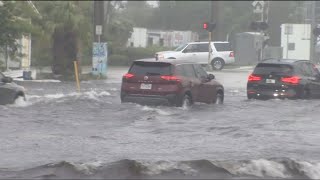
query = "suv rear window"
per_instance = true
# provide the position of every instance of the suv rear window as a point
(223, 46)
(273, 69)
(151, 68)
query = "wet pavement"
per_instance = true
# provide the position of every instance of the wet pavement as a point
(60, 133)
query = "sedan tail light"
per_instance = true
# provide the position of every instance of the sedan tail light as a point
(231, 54)
(170, 78)
(291, 79)
(252, 78)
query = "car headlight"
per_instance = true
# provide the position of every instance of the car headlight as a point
(160, 56)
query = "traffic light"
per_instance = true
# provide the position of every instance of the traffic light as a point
(205, 25)
(259, 26)
(254, 26)
(264, 26)
(208, 26)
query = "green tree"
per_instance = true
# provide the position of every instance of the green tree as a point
(282, 12)
(139, 13)
(16, 20)
(236, 17)
(67, 34)
(118, 28)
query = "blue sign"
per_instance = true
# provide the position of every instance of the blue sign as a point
(99, 59)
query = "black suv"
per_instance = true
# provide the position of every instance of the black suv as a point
(284, 78)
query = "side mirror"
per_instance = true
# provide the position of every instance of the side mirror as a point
(7, 80)
(211, 76)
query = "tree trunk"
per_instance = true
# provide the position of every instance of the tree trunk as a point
(6, 57)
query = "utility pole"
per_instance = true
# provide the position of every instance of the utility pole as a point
(217, 35)
(212, 10)
(107, 12)
(267, 11)
(98, 19)
(259, 9)
(7, 57)
(262, 33)
(313, 26)
(210, 33)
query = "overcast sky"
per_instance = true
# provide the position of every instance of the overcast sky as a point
(153, 3)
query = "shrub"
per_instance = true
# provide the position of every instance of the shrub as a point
(124, 56)
(139, 53)
(118, 60)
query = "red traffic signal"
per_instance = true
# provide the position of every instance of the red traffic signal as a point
(208, 26)
(205, 25)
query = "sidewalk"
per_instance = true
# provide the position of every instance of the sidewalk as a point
(120, 70)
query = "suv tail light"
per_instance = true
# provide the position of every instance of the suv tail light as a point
(231, 54)
(252, 78)
(128, 76)
(170, 78)
(291, 79)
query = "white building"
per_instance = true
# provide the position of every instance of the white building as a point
(142, 37)
(138, 37)
(295, 41)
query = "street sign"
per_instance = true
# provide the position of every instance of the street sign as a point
(258, 6)
(257, 3)
(98, 30)
(257, 11)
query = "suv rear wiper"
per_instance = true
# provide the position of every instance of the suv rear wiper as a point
(280, 73)
(152, 74)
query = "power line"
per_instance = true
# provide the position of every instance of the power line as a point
(34, 8)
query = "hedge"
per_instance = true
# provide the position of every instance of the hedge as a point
(125, 56)
(118, 60)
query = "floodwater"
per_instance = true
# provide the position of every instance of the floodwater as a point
(61, 133)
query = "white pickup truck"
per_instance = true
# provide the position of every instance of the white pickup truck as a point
(198, 51)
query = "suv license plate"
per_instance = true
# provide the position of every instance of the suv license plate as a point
(145, 86)
(270, 81)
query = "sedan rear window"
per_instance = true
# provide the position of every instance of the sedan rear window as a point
(151, 68)
(273, 69)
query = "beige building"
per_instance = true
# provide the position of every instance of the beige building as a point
(22, 62)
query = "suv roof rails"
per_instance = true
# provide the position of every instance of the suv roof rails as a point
(269, 59)
(279, 59)
(301, 60)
